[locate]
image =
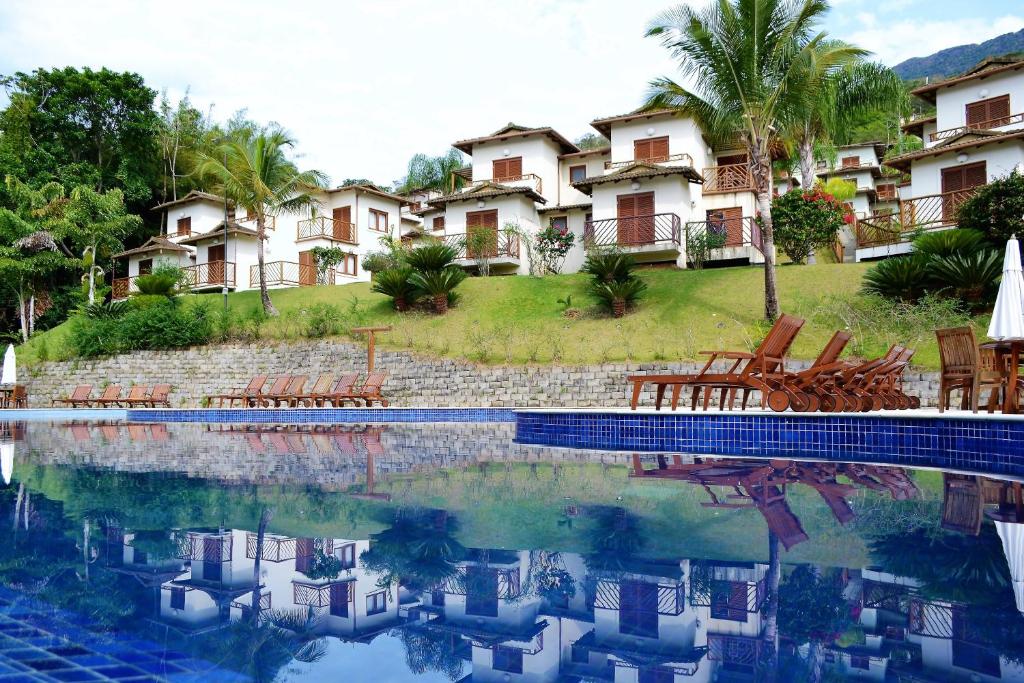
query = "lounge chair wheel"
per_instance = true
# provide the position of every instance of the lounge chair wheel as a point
(778, 400)
(801, 402)
(828, 403)
(815, 403)
(874, 403)
(915, 402)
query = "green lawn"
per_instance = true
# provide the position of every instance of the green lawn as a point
(519, 319)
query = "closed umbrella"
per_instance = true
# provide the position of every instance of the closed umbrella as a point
(1012, 536)
(10, 372)
(7, 461)
(1008, 316)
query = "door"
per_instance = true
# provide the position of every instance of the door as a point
(339, 599)
(481, 592)
(729, 600)
(303, 554)
(215, 265)
(956, 183)
(635, 218)
(728, 223)
(307, 268)
(638, 609)
(481, 233)
(343, 228)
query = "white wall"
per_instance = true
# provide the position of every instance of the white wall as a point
(205, 216)
(511, 209)
(951, 103)
(684, 137)
(170, 258)
(576, 219)
(540, 157)
(1000, 160)
(567, 194)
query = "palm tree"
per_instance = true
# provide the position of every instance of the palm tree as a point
(751, 62)
(432, 173)
(849, 92)
(252, 170)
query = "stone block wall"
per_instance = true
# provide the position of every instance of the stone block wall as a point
(413, 380)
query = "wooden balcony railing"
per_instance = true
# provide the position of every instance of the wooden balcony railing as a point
(928, 212)
(501, 244)
(121, 287)
(685, 158)
(269, 222)
(291, 274)
(730, 178)
(670, 598)
(531, 180)
(639, 231)
(213, 273)
(325, 227)
(1010, 120)
(738, 232)
(200, 547)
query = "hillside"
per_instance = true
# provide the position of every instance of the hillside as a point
(955, 60)
(520, 320)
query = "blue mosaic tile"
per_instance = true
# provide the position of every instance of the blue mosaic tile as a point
(322, 415)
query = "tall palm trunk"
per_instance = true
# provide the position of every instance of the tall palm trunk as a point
(261, 234)
(807, 174)
(771, 617)
(761, 168)
(261, 532)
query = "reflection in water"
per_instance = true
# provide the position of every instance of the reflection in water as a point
(453, 554)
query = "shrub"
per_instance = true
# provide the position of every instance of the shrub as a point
(394, 283)
(904, 277)
(609, 266)
(163, 325)
(108, 309)
(970, 277)
(552, 245)
(378, 261)
(617, 295)
(948, 242)
(700, 244)
(995, 209)
(432, 257)
(163, 281)
(322, 320)
(439, 285)
(805, 221)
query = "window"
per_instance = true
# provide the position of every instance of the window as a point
(847, 162)
(577, 173)
(507, 169)
(438, 223)
(886, 191)
(185, 225)
(340, 597)
(177, 598)
(378, 220)
(348, 551)
(508, 659)
(651, 149)
(859, 662)
(349, 265)
(145, 266)
(638, 609)
(560, 223)
(437, 598)
(376, 603)
(729, 600)
(990, 113)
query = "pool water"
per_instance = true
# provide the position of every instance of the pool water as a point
(450, 552)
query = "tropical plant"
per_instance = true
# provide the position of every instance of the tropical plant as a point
(163, 281)
(105, 309)
(902, 277)
(758, 67)
(805, 221)
(377, 261)
(481, 246)
(552, 245)
(432, 173)
(395, 283)
(970, 277)
(700, 243)
(252, 170)
(438, 284)
(617, 295)
(326, 258)
(944, 243)
(609, 265)
(840, 188)
(432, 257)
(995, 209)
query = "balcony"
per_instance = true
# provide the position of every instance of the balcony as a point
(501, 247)
(269, 222)
(1012, 119)
(214, 274)
(730, 178)
(325, 227)
(530, 180)
(891, 233)
(660, 232)
(291, 274)
(121, 287)
(686, 160)
(734, 232)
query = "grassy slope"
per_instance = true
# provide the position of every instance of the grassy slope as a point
(518, 319)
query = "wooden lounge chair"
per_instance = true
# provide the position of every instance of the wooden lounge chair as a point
(18, 398)
(342, 389)
(807, 384)
(110, 396)
(321, 387)
(138, 397)
(961, 368)
(245, 397)
(763, 365)
(78, 398)
(277, 389)
(161, 396)
(963, 506)
(369, 393)
(290, 395)
(853, 387)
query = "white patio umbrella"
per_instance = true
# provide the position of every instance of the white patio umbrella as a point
(1008, 316)
(7, 461)
(1012, 536)
(10, 372)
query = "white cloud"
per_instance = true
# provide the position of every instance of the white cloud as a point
(894, 41)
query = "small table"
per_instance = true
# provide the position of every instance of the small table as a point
(1012, 348)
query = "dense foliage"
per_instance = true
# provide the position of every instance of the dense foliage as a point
(996, 209)
(805, 221)
(551, 246)
(152, 322)
(615, 283)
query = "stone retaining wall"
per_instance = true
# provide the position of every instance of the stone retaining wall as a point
(413, 380)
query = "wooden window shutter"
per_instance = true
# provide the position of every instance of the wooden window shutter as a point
(185, 225)
(641, 150)
(645, 204)
(438, 223)
(499, 168)
(989, 113)
(851, 161)
(952, 179)
(659, 148)
(490, 219)
(515, 167)
(975, 175)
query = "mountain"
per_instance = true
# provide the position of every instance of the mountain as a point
(955, 60)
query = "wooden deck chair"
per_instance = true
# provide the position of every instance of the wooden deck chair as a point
(255, 443)
(322, 443)
(963, 507)
(343, 388)
(771, 502)
(277, 389)
(81, 432)
(809, 384)
(110, 432)
(158, 430)
(138, 432)
(279, 443)
(245, 397)
(111, 396)
(138, 396)
(765, 363)
(321, 387)
(18, 398)
(290, 394)
(79, 397)
(371, 439)
(161, 396)
(345, 443)
(296, 444)
(851, 386)
(369, 393)
(961, 368)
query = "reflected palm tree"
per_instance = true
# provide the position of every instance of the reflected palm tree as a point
(614, 537)
(419, 549)
(431, 650)
(260, 648)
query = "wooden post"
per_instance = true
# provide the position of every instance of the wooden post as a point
(371, 341)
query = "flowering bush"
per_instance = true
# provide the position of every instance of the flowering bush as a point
(805, 221)
(551, 245)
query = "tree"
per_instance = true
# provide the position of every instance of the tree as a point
(180, 133)
(432, 173)
(809, 220)
(96, 223)
(589, 141)
(812, 610)
(751, 62)
(995, 209)
(253, 170)
(848, 92)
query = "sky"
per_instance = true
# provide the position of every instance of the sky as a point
(364, 86)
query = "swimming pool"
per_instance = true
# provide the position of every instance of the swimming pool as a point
(473, 550)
